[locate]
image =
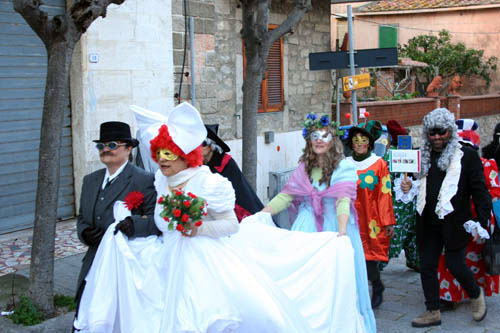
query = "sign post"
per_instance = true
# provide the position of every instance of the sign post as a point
(352, 59)
(351, 62)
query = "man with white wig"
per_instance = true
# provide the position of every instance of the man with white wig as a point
(451, 174)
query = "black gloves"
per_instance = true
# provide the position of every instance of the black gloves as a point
(126, 226)
(92, 235)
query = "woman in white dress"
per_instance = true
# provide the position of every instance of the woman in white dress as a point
(220, 276)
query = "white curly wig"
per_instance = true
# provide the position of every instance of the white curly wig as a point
(441, 118)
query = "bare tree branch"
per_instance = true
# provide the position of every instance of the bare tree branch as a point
(84, 12)
(298, 12)
(36, 18)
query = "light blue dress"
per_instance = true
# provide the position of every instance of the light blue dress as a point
(305, 222)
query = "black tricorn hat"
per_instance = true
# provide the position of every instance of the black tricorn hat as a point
(212, 131)
(116, 131)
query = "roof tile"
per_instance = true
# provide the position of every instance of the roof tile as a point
(400, 5)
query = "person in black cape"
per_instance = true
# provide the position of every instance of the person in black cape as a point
(216, 157)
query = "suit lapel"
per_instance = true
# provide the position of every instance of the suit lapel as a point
(119, 185)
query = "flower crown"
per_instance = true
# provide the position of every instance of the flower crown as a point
(312, 122)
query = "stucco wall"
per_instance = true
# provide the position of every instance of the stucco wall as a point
(464, 25)
(134, 46)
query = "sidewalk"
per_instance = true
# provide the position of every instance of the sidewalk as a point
(15, 248)
(403, 297)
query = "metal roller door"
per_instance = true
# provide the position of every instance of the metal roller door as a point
(23, 66)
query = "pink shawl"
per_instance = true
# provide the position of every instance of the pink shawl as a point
(299, 186)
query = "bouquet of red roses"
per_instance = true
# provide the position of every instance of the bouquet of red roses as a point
(181, 209)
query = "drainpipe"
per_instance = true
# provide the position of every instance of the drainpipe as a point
(191, 42)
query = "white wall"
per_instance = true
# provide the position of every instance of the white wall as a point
(135, 66)
(270, 159)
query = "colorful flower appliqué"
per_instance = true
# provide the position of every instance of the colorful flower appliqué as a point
(368, 180)
(374, 229)
(386, 185)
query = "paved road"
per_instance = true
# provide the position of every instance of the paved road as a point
(403, 300)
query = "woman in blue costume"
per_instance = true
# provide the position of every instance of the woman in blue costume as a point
(321, 194)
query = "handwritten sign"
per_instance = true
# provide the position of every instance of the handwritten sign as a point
(404, 160)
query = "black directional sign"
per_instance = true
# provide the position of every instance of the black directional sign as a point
(383, 57)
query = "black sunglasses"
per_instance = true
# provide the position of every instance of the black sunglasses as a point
(204, 143)
(112, 145)
(437, 130)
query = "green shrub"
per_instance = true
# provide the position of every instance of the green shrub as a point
(63, 301)
(26, 313)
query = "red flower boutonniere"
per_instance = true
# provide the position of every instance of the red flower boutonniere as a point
(133, 200)
(181, 210)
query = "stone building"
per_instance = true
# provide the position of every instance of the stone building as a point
(219, 68)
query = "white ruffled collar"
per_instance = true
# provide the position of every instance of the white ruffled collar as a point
(162, 182)
(448, 189)
(182, 176)
(364, 164)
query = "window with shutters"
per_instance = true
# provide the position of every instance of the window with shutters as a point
(271, 88)
(387, 36)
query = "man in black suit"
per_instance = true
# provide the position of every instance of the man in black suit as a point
(450, 175)
(102, 188)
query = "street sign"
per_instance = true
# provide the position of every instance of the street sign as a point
(356, 81)
(362, 58)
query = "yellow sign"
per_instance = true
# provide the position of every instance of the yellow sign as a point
(356, 81)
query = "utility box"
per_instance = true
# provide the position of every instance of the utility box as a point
(278, 180)
(268, 137)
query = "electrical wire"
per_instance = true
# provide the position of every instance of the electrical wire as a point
(426, 30)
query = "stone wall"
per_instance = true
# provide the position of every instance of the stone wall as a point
(218, 77)
(218, 74)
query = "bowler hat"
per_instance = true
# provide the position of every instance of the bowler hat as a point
(116, 131)
(212, 130)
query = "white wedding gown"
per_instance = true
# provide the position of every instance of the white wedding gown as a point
(261, 279)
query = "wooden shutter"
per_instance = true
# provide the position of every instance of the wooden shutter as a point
(272, 86)
(271, 89)
(387, 36)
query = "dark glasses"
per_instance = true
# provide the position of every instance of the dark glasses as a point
(437, 130)
(112, 145)
(204, 143)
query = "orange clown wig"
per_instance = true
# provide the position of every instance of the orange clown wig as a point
(164, 140)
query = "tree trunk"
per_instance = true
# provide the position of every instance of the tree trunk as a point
(59, 35)
(258, 40)
(251, 88)
(42, 251)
